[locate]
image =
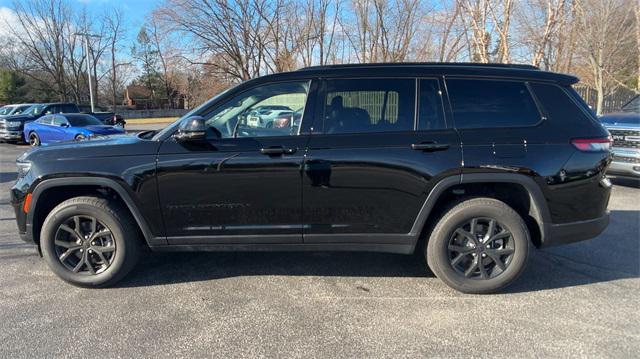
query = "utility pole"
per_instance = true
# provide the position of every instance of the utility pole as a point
(86, 44)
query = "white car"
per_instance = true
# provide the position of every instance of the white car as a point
(264, 116)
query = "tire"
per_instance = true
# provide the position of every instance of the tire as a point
(79, 137)
(452, 252)
(119, 249)
(34, 139)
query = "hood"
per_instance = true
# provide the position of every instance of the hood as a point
(104, 129)
(621, 119)
(19, 117)
(100, 147)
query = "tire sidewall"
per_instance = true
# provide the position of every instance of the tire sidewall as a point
(37, 139)
(47, 237)
(438, 245)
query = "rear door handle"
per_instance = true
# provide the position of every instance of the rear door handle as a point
(429, 147)
(277, 151)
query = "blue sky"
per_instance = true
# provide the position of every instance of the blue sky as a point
(135, 11)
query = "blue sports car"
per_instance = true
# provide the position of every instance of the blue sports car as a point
(66, 127)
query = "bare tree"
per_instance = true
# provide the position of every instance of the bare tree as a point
(114, 32)
(231, 31)
(606, 43)
(40, 37)
(483, 20)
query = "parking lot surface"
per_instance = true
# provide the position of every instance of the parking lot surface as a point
(573, 301)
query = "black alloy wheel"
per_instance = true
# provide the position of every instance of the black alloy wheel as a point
(90, 241)
(479, 245)
(84, 245)
(481, 248)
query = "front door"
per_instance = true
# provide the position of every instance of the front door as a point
(243, 185)
(371, 166)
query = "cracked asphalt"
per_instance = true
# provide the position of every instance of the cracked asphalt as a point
(580, 300)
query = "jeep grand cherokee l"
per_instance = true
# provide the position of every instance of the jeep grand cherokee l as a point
(471, 165)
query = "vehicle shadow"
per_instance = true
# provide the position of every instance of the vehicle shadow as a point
(611, 256)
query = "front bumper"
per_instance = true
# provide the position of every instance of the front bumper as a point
(625, 163)
(10, 135)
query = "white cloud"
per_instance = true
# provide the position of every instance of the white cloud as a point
(8, 22)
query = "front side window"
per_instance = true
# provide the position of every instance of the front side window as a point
(491, 103)
(369, 105)
(264, 111)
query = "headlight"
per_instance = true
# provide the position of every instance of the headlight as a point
(14, 123)
(23, 168)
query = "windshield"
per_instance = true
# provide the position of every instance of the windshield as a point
(633, 105)
(83, 120)
(5, 110)
(33, 110)
(20, 109)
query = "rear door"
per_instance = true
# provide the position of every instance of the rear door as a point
(380, 147)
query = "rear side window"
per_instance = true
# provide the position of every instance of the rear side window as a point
(430, 113)
(369, 105)
(558, 105)
(491, 103)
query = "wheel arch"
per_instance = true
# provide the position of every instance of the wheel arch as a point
(78, 186)
(535, 212)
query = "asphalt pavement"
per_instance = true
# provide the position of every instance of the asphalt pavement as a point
(580, 300)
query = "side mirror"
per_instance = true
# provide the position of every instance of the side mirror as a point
(191, 129)
(64, 124)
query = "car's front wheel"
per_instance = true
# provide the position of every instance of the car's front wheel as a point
(479, 246)
(90, 241)
(34, 139)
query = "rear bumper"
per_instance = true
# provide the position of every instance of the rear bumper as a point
(559, 234)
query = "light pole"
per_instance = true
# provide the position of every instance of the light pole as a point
(86, 43)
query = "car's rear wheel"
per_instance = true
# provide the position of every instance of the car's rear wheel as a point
(479, 246)
(90, 241)
(80, 137)
(34, 139)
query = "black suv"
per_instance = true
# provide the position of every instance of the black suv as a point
(472, 165)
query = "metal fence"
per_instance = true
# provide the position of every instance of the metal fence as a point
(612, 102)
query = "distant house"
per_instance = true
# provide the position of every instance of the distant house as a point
(140, 98)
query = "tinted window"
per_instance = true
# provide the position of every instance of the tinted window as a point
(83, 120)
(558, 105)
(430, 113)
(68, 108)
(491, 103)
(369, 105)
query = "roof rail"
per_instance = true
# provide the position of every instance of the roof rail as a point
(430, 64)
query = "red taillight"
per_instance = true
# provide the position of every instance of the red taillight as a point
(592, 144)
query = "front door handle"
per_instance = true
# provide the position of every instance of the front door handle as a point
(277, 151)
(429, 147)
